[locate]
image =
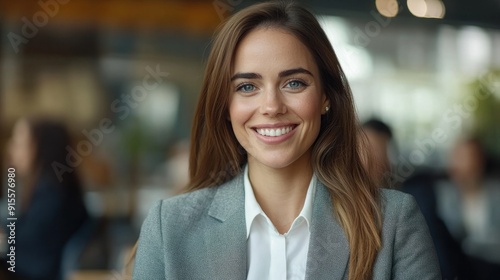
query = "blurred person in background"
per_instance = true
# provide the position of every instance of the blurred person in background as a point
(469, 204)
(380, 148)
(49, 210)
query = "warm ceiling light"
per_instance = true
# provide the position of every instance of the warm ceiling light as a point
(417, 7)
(426, 8)
(387, 8)
(435, 9)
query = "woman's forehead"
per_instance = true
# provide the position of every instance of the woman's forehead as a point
(268, 48)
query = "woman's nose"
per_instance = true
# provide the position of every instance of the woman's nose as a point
(272, 103)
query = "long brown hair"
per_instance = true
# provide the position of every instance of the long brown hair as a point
(216, 156)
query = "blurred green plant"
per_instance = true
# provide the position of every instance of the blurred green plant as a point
(486, 119)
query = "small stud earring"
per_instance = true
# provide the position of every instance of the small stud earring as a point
(327, 108)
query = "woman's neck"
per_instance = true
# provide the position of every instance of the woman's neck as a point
(281, 192)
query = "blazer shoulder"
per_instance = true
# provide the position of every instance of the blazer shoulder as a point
(407, 245)
(185, 206)
(164, 229)
(192, 206)
(394, 201)
(390, 196)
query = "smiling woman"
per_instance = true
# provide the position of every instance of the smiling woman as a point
(276, 87)
(277, 188)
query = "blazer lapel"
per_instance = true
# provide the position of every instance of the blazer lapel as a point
(328, 254)
(226, 234)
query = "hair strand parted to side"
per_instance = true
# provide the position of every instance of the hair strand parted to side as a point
(216, 155)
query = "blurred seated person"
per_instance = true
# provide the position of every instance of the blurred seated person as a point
(379, 143)
(51, 210)
(380, 146)
(469, 203)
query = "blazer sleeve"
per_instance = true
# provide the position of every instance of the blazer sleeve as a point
(149, 259)
(414, 256)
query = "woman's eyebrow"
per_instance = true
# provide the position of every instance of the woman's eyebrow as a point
(282, 74)
(246, 76)
(294, 71)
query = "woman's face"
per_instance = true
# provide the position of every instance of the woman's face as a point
(276, 100)
(22, 149)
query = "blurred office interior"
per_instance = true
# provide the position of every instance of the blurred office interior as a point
(124, 76)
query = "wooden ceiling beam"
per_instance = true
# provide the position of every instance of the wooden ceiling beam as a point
(191, 16)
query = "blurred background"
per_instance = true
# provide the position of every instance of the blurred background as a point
(124, 75)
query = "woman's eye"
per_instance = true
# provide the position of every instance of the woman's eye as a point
(246, 88)
(295, 84)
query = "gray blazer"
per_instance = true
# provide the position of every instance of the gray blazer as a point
(202, 235)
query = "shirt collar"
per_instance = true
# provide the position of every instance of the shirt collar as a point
(253, 209)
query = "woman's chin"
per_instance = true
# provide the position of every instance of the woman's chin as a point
(274, 163)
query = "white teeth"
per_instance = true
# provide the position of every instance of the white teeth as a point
(274, 132)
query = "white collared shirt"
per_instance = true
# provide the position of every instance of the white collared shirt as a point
(272, 255)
